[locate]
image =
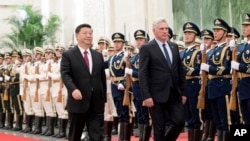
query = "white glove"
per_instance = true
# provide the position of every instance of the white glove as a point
(36, 64)
(202, 47)
(25, 76)
(120, 87)
(205, 67)
(1, 78)
(235, 65)
(104, 52)
(37, 76)
(50, 74)
(17, 62)
(128, 71)
(107, 72)
(232, 44)
(126, 54)
(6, 78)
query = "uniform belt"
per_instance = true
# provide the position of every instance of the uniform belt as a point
(56, 81)
(192, 77)
(134, 79)
(243, 75)
(12, 83)
(39, 81)
(210, 76)
(116, 79)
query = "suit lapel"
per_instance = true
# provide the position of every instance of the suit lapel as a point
(173, 53)
(79, 57)
(94, 60)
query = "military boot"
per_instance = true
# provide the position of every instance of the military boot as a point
(10, 118)
(29, 123)
(19, 123)
(107, 130)
(2, 120)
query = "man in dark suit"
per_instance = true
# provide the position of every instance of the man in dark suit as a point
(162, 83)
(82, 71)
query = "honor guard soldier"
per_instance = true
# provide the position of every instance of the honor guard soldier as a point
(242, 65)
(180, 45)
(110, 110)
(236, 118)
(15, 98)
(209, 124)
(2, 108)
(6, 96)
(170, 33)
(45, 90)
(232, 34)
(191, 61)
(116, 66)
(103, 43)
(59, 93)
(219, 86)
(25, 89)
(143, 118)
(35, 86)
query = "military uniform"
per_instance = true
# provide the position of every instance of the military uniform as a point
(116, 65)
(36, 86)
(59, 94)
(143, 117)
(110, 110)
(2, 108)
(14, 88)
(219, 86)
(45, 91)
(235, 115)
(7, 98)
(209, 124)
(243, 67)
(25, 90)
(191, 61)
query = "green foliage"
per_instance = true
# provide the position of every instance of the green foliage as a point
(30, 28)
(191, 11)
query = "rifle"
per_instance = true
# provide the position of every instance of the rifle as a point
(201, 97)
(59, 97)
(49, 84)
(126, 98)
(25, 83)
(37, 84)
(5, 96)
(233, 96)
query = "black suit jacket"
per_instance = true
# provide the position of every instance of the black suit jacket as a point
(156, 78)
(75, 75)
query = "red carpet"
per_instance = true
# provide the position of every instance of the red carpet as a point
(182, 137)
(11, 137)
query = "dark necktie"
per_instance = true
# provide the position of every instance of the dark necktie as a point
(166, 55)
(86, 59)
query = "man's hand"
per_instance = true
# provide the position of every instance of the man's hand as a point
(183, 99)
(126, 54)
(235, 65)
(205, 67)
(148, 102)
(77, 95)
(128, 71)
(232, 44)
(120, 87)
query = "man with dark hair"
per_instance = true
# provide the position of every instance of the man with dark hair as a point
(219, 86)
(83, 73)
